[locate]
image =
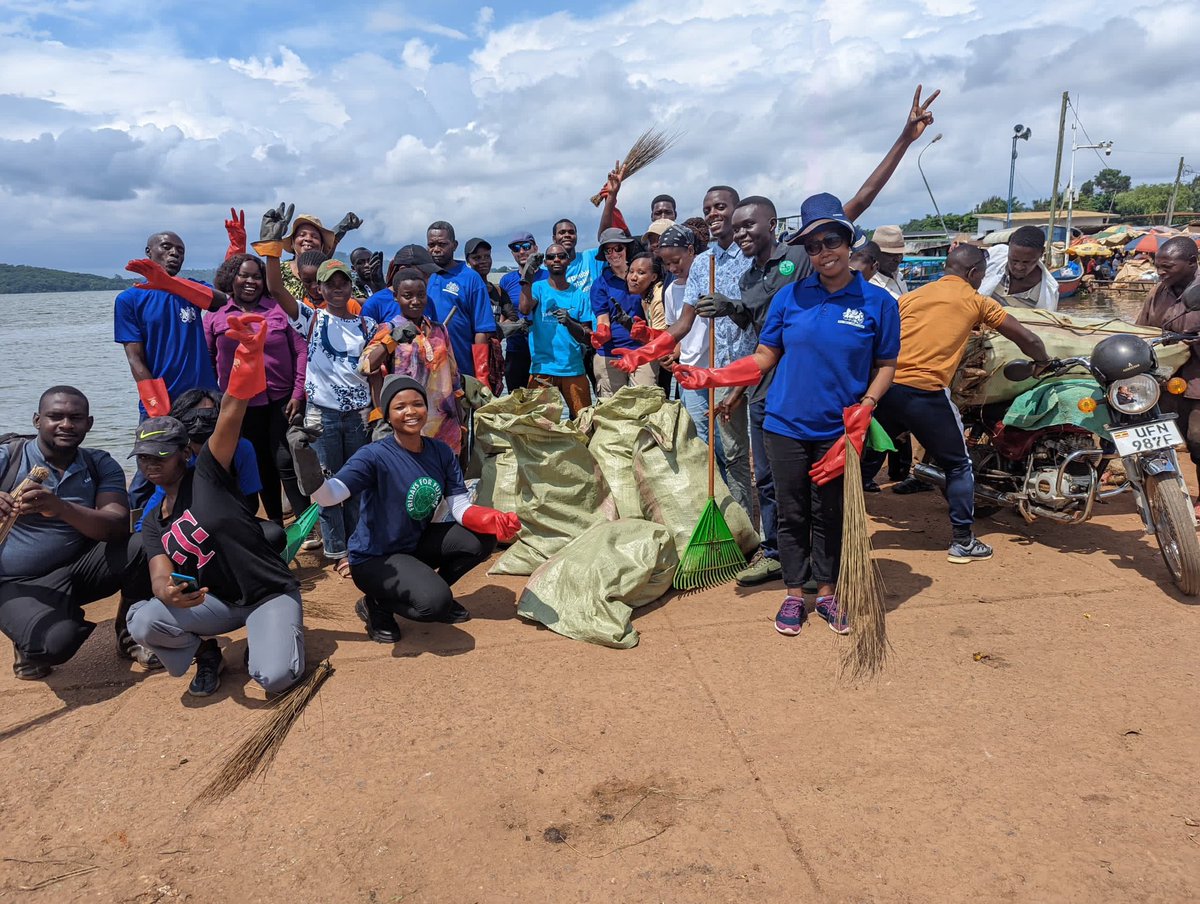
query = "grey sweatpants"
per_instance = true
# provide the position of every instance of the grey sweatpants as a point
(274, 634)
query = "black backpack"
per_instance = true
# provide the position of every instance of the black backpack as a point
(14, 444)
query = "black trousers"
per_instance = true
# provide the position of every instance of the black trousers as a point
(417, 585)
(516, 366)
(265, 426)
(44, 617)
(809, 517)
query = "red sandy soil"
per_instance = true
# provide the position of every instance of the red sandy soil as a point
(1034, 738)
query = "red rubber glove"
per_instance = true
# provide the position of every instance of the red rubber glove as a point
(742, 372)
(642, 331)
(479, 354)
(856, 419)
(155, 398)
(248, 376)
(482, 520)
(235, 228)
(601, 336)
(630, 359)
(158, 278)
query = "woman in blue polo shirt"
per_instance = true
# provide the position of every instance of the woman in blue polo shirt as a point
(615, 306)
(834, 339)
(400, 558)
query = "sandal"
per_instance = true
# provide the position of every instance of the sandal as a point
(343, 567)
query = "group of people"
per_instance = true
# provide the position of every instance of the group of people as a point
(308, 381)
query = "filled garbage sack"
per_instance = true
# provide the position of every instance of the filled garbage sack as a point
(980, 377)
(612, 427)
(492, 456)
(560, 490)
(590, 587)
(670, 466)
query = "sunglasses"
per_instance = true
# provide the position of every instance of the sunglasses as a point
(521, 246)
(613, 249)
(829, 243)
(557, 256)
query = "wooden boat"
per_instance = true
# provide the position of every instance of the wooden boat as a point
(1068, 278)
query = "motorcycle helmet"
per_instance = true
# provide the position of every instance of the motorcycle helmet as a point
(1119, 357)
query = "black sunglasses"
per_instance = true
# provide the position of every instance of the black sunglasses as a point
(557, 256)
(830, 243)
(521, 246)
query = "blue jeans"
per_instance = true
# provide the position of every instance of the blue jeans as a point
(732, 449)
(935, 423)
(345, 432)
(764, 481)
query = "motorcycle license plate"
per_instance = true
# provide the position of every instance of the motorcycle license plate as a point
(1146, 437)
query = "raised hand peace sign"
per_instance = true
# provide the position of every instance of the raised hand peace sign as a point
(919, 117)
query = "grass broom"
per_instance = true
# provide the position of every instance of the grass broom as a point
(860, 589)
(37, 474)
(256, 754)
(650, 145)
(712, 555)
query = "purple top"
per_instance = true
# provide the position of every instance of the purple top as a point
(286, 353)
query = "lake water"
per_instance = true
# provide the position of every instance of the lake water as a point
(66, 337)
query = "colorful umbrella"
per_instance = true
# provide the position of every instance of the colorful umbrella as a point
(1150, 242)
(1090, 249)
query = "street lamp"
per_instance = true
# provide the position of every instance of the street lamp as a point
(1105, 146)
(936, 139)
(1022, 132)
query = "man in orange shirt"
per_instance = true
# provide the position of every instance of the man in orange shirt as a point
(935, 322)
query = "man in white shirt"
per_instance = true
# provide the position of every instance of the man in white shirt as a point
(890, 241)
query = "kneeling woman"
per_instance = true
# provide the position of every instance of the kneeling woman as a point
(403, 561)
(212, 569)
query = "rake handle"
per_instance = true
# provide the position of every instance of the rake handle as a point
(712, 392)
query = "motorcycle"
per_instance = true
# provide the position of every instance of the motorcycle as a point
(1054, 471)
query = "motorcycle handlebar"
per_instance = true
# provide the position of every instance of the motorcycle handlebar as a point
(1175, 338)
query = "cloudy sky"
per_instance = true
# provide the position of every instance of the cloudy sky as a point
(122, 117)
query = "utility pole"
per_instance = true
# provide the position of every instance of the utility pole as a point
(1174, 194)
(1062, 128)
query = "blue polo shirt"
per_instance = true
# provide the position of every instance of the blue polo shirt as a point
(608, 294)
(553, 351)
(400, 490)
(830, 343)
(37, 546)
(510, 285)
(381, 307)
(460, 286)
(172, 332)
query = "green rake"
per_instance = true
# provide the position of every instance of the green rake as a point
(712, 555)
(299, 531)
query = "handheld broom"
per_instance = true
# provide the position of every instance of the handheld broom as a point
(712, 555)
(36, 475)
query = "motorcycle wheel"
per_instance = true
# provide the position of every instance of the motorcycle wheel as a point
(1170, 510)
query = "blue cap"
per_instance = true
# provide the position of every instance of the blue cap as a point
(520, 237)
(819, 210)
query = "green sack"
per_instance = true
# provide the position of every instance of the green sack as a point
(589, 588)
(560, 490)
(670, 465)
(493, 454)
(613, 426)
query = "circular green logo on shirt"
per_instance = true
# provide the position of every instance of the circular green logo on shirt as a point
(787, 268)
(424, 494)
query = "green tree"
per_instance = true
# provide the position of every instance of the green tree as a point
(1148, 199)
(1111, 181)
(996, 204)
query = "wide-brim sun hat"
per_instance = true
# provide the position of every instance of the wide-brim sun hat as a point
(328, 237)
(821, 210)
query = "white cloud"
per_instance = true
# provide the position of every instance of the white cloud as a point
(776, 97)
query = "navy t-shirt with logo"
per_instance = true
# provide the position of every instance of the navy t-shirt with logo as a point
(461, 287)
(830, 343)
(209, 534)
(400, 490)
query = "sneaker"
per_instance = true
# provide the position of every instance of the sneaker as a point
(760, 570)
(972, 550)
(130, 650)
(381, 625)
(911, 485)
(26, 670)
(831, 610)
(209, 666)
(791, 615)
(312, 543)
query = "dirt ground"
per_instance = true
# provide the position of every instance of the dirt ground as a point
(1035, 738)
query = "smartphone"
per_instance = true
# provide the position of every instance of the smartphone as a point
(190, 584)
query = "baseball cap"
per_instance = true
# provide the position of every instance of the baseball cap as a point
(333, 265)
(472, 244)
(413, 256)
(658, 227)
(160, 437)
(890, 239)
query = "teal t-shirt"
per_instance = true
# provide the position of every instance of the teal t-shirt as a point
(552, 350)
